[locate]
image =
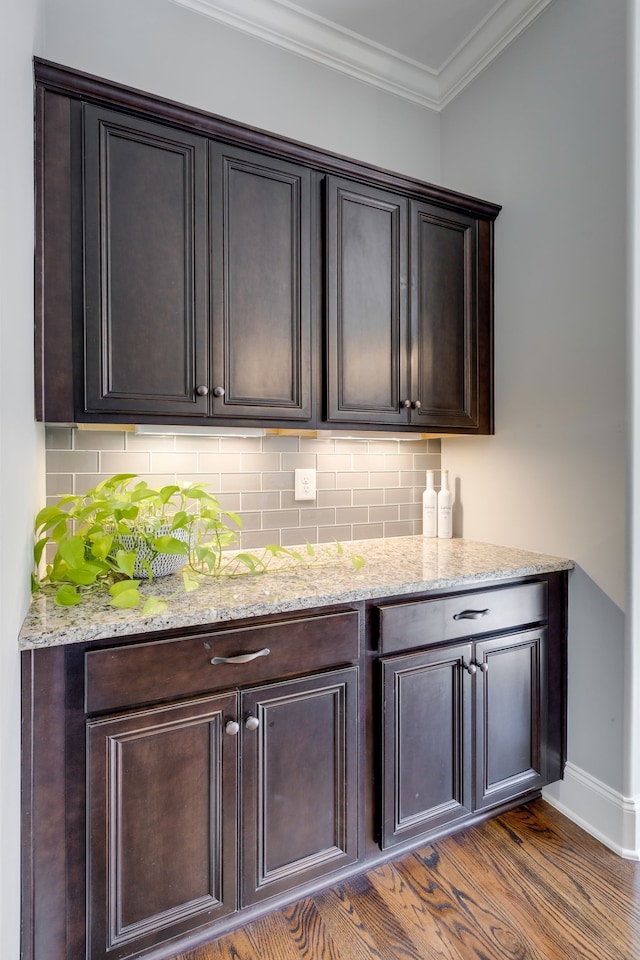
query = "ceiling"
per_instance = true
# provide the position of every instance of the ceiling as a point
(425, 51)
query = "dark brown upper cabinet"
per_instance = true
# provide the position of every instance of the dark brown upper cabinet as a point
(191, 269)
(449, 331)
(260, 286)
(404, 352)
(366, 303)
(145, 249)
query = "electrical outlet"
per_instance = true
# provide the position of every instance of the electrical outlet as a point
(305, 484)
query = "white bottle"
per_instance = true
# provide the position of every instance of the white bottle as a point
(430, 508)
(445, 525)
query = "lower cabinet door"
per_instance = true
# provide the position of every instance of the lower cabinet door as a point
(511, 712)
(426, 750)
(161, 788)
(299, 781)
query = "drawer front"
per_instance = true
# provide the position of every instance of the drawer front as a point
(163, 670)
(405, 626)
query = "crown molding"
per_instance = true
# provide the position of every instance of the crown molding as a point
(283, 24)
(505, 22)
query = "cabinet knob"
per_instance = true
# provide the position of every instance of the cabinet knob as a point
(218, 391)
(232, 728)
(406, 404)
(470, 668)
(202, 390)
(482, 667)
(252, 723)
(416, 404)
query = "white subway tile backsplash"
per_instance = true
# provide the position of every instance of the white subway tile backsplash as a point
(367, 497)
(263, 500)
(98, 440)
(296, 460)
(239, 482)
(334, 498)
(348, 481)
(317, 516)
(220, 462)
(58, 484)
(370, 488)
(58, 438)
(260, 462)
(73, 461)
(174, 462)
(334, 462)
(128, 462)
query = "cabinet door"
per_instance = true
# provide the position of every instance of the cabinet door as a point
(260, 281)
(511, 714)
(426, 775)
(145, 223)
(162, 824)
(366, 377)
(445, 375)
(299, 781)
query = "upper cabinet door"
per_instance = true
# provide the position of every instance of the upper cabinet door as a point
(445, 375)
(261, 286)
(145, 223)
(366, 304)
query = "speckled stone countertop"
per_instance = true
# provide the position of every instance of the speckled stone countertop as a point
(396, 566)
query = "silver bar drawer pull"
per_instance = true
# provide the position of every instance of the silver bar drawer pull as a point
(471, 614)
(242, 657)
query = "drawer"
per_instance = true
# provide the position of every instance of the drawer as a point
(162, 670)
(404, 626)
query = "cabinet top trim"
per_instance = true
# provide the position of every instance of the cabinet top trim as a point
(79, 85)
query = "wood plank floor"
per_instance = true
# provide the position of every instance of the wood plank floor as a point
(528, 885)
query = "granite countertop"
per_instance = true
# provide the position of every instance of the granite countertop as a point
(401, 565)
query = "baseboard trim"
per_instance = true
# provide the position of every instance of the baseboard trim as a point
(604, 813)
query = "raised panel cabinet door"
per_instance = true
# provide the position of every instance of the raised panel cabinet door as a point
(162, 824)
(145, 234)
(299, 781)
(366, 304)
(426, 757)
(445, 375)
(261, 286)
(511, 707)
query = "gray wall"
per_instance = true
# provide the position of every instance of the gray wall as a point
(157, 46)
(542, 131)
(21, 466)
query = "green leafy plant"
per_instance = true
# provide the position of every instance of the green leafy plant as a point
(109, 539)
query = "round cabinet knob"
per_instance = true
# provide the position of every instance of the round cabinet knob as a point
(202, 390)
(252, 723)
(232, 728)
(218, 391)
(483, 667)
(470, 668)
(416, 405)
(406, 404)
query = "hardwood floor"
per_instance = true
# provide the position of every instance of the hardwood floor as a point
(529, 885)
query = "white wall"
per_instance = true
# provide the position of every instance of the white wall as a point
(157, 46)
(21, 442)
(542, 131)
(632, 664)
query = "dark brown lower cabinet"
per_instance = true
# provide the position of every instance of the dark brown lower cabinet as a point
(161, 788)
(179, 784)
(464, 730)
(299, 782)
(173, 790)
